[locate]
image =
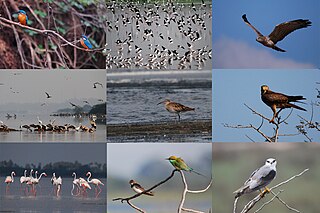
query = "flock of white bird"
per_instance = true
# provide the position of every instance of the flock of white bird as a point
(79, 185)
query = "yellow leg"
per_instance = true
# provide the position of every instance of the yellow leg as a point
(266, 190)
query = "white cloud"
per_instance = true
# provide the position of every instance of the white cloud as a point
(229, 53)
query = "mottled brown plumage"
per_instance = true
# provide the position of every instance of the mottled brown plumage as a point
(278, 100)
(174, 107)
(279, 32)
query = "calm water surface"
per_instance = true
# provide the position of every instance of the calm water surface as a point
(45, 201)
(26, 136)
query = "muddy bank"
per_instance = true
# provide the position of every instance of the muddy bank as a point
(184, 131)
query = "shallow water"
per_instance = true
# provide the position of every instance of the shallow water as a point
(26, 136)
(133, 98)
(45, 201)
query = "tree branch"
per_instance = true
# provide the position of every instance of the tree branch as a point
(255, 200)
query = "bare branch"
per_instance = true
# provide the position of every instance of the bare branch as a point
(256, 199)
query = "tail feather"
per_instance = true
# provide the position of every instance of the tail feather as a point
(185, 108)
(297, 107)
(240, 191)
(296, 98)
(278, 49)
(198, 173)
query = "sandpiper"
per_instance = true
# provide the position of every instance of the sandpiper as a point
(174, 107)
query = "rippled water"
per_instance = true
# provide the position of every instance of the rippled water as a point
(45, 201)
(26, 136)
(134, 99)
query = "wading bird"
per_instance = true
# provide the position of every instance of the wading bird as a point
(57, 183)
(279, 32)
(96, 182)
(75, 183)
(259, 179)
(176, 108)
(278, 100)
(9, 180)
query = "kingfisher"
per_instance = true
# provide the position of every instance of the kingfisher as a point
(84, 41)
(22, 17)
(179, 164)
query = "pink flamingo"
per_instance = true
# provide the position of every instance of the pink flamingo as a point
(9, 180)
(57, 183)
(75, 182)
(23, 179)
(85, 185)
(35, 181)
(96, 182)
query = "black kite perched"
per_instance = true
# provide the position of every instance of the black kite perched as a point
(279, 32)
(277, 100)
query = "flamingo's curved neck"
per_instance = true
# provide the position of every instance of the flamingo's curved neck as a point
(31, 173)
(41, 175)
(89, 178)
(75, 176)
(25, 173)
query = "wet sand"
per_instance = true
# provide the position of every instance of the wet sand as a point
(160, 131)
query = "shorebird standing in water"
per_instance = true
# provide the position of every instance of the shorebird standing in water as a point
(174, 107)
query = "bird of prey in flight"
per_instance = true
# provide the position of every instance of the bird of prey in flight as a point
(279, 32)
(259, 179)
(278, 100)
(48, 96)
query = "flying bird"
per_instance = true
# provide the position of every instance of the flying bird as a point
(259, 179)
(279, 32)
(179, 164)
(48, 96)
(97, 83)
(278, 100)
(84, 41)
(174, 107)
(138, 188)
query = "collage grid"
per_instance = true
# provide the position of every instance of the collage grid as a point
(159, 106)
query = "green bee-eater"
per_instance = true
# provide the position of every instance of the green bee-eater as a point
(179, 164)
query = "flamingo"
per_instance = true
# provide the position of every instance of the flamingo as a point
(23, 179)
(9, 180)
(30, 181)
(76, 183)
(96, 182)
(85, 185)
(56, 182)
(36, 181)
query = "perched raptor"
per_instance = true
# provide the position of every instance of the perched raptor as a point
(278, 100)
(279, 32)
(259, 178)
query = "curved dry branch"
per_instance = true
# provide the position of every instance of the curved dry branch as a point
(186, 190)
(148, 190)
(255, 200)
(50, 33)
(135, 207)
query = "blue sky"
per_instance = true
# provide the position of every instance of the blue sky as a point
(234, 42)
(233, 88)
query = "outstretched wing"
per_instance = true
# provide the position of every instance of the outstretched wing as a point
(244, 17)
(283, 29)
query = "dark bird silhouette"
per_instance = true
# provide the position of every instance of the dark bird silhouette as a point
(48, 96)
(279, 32)
(278, 100)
